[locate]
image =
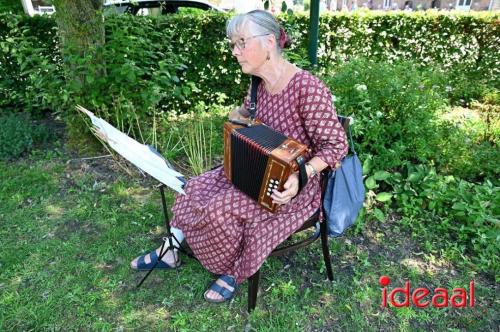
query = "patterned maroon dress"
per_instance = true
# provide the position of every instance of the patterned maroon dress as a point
(228, 231)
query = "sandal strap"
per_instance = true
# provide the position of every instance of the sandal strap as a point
(228, 280)
(141, 261)
(154, 256)
(222, 291)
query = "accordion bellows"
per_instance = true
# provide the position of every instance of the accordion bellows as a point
(258, 159)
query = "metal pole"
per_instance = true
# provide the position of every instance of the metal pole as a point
(28, 7)
(314, 32)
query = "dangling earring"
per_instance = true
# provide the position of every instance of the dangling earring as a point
(268, 56)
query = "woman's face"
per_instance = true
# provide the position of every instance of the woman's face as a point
(248, 50)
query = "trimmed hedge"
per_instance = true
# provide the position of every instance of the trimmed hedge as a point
(31, 77)
(11, 6)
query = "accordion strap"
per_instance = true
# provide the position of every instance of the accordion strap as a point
(252, 109)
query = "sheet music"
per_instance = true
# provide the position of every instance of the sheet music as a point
(138, 154)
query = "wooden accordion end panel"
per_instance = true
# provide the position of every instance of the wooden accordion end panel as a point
(258, 159)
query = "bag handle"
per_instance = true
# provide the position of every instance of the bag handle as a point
(346, 122)
(351, 142)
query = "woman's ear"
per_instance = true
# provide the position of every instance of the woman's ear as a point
(271, 42)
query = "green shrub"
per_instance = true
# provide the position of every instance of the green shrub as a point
(395, 108)
(461, 214)
(30, 75)
(15, 135)
(11, 6)
(139, 72)
(19, 135)
(466, 151)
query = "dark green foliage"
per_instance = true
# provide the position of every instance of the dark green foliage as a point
(399, 110)
(15, 135)
(18, 135)
(11, 6)
(402, 119)
(210, 73)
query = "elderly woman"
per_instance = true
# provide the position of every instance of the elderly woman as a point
(229, 233)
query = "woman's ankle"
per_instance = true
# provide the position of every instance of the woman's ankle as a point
(171, 257)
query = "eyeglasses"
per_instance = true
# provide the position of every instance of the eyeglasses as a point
(241, 43)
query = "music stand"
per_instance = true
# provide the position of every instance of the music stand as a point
(150, 161)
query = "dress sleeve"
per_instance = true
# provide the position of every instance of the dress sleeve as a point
(327, 136)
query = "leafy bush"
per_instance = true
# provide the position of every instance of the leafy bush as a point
(395, 108)
(11, 6)
(15, 132)
(466, 151)
(140, 70)
(30, 74)
(463, 215)
(426, 37)
(18, 135)
(401, 115)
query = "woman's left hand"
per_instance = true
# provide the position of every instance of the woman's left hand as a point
(291, 187)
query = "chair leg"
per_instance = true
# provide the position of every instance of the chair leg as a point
(326, 250)
(253, 287)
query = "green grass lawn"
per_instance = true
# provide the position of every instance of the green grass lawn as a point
(69, 228)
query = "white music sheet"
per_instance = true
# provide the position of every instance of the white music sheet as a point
(138, 154)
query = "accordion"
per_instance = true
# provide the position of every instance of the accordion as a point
(258, 159)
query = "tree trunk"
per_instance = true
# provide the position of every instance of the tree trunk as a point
(81, 32)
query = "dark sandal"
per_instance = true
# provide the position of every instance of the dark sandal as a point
(143, 266)
(222, 291)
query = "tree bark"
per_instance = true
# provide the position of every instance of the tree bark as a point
(81, 32)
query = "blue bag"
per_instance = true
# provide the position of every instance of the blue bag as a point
(345, 194)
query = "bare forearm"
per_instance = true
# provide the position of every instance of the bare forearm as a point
(317, 166)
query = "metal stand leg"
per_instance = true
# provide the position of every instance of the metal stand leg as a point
(170, 238)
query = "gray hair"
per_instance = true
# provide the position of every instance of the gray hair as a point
(262, 23)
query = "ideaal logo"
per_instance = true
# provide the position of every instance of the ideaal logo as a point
(420, 296)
